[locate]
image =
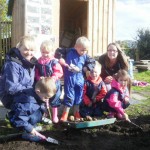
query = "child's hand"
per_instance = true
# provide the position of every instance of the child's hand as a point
(94, 100)
(74, 68)
(126, 100)
(63, 62)
(34, 132)
(126, 117)
(90, 104)
(108, 79)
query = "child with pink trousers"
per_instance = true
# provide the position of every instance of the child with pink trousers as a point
(117, 99)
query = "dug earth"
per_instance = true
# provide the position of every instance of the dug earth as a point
(119, 135)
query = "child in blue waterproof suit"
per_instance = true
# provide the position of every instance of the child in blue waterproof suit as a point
(17, 84)
(74, 60)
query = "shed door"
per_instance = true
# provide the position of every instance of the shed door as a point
(73, 21)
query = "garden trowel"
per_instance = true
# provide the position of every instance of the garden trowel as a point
(51, 140)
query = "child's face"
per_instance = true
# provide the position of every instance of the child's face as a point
(45, 53)
(81, 50)
(43, 96)
(95, 73)
(26, 52)
(123, 81)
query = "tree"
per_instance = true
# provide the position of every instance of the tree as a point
(5, 30)
(3, 10)
(143, 43)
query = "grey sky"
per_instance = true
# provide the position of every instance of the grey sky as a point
(131, 15)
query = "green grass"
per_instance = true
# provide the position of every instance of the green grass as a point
(143, 108)
(142, 76)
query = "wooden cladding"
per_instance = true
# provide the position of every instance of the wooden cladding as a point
(91, 18)
(100, 25)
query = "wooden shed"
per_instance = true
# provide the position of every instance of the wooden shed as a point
(65, 20)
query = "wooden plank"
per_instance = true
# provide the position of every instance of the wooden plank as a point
(100, 28)
(145, 61)
(95, 28)
(109, 24)
(143, 66)
(10, 136)
(90, 25)
(105, 24)
(113, 19)
(88, 124)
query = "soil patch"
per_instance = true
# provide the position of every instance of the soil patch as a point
(120, 135)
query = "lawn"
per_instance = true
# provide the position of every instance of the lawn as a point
(142, 108)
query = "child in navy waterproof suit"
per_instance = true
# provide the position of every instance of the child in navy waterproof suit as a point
(48, 66)
(117, 99)
(74, 60)
(17, 84)
(42, 93)
(93, 94)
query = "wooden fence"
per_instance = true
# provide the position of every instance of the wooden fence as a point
(5, 39)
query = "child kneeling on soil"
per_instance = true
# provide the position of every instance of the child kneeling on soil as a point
(93, 94)
(74, 60)
(26, 114)
(117, 99)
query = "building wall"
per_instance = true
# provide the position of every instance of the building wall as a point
(100, 23)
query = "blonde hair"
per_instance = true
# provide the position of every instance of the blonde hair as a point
(122, 58)
(46, 85)
(47, 45)
(83, 41)
(124, 74)
(98, 66)
(27, 42)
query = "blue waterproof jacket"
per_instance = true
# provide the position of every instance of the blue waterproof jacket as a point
(74, 81)
(16, 90)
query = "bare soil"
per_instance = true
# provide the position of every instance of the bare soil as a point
(118, 136)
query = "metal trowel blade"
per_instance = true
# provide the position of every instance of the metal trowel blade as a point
(51, 140)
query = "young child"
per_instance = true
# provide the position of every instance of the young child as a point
(41, 95)
(48, 66)
(74, 60)
(93, 94)
(117, 99)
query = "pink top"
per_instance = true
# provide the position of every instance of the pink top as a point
(57, 69)
(113, 101)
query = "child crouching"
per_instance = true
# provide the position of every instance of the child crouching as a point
(27, 114)
(93, 94)
(117, 99)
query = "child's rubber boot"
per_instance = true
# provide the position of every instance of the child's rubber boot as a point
(64, 117)
(55, 114)
(77, 115)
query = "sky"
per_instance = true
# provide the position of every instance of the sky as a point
(131, 15)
